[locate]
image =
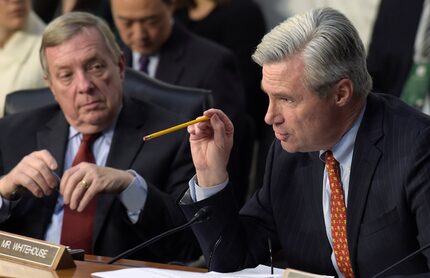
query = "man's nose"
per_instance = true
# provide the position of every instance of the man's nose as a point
(84, 83)
(139, 31)
(269, 118)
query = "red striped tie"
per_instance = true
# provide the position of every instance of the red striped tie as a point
(338, 217)
(77, 230)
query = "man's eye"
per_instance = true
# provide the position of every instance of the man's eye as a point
(286, 99)
(127, 23)
(65, 76)
(153, 21)
(96, 67)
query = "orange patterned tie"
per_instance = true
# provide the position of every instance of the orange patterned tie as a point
(338, 217)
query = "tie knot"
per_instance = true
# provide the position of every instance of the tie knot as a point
(328, 155)
(330, 161)
(90, 138)
(143, 63)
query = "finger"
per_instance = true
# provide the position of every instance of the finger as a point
(66, 176)
(89, 194)
(46, 157)
(79, 191)
(219, 131)
(42, 174)
(28, 174)
(70, 180)
(38, 179)
(27, 182)
(229, 128)
(191, 129)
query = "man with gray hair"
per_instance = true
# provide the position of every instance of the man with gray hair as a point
(347, 183)
(115, 191)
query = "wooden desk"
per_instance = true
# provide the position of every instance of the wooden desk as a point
(83, 268)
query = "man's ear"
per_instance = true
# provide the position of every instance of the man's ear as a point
(121, 66)
(172, 6)
(343, 92)
(49, 83)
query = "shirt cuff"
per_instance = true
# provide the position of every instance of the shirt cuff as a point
(5, 206)
(134, 196)
(198, 193)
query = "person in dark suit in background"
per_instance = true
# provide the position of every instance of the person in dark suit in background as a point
(398, 60)
(125, 187)
(392, 45)
(238, 25)
(154, 43)
(347, 183)
(175, 55)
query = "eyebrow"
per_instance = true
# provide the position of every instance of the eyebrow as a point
(124, 18)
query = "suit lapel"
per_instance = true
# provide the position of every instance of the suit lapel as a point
(128, 55)
(170, 66)
(364, 162)
(53, 137)
(314, 173)
(127, 143)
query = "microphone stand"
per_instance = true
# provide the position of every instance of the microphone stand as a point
(402, 260)
(200, 216)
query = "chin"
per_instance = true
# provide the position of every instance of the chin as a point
(288, 147)
(291, 148)
(147, 51)
(94, 123)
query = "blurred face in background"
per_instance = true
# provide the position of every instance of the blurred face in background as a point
(144, 25)
(13, 15)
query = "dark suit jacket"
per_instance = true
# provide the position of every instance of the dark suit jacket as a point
(164, 163)
(238, 25)
(388, 212)
(391, 47)
(192, 61)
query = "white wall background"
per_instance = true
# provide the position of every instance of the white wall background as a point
(362, 13)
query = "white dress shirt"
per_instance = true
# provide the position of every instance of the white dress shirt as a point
(152, 64)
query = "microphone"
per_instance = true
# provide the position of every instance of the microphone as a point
(413, 254)
(201, 215)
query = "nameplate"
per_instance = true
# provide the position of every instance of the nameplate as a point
(29, 251)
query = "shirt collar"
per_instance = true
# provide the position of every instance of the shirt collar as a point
(73, 132)
(343, 149)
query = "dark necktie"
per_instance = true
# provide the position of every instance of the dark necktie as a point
(338, 217)
(143, 63)
(77, 230)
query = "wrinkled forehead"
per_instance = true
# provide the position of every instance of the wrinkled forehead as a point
(83, 46)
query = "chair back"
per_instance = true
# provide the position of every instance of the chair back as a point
(190, 102)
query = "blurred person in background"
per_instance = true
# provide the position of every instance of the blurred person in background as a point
(238, 25)
(20, 36)
(162, 48)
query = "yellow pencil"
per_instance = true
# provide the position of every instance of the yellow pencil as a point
(174, 128)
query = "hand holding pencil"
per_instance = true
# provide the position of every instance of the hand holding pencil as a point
(211, 142)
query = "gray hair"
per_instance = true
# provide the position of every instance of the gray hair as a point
(330, 45)
(70, 24)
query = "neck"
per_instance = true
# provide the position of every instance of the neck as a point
(350, 115)
(4, 37)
